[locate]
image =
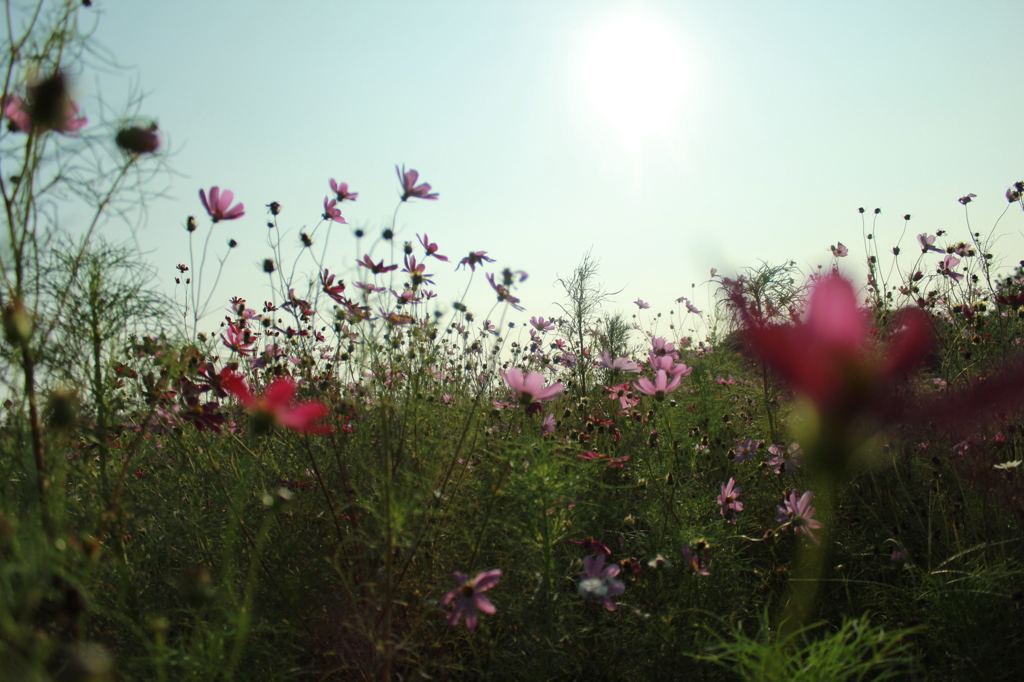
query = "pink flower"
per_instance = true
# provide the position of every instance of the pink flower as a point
(798, 514)
(642, 305)
(239, 339)
(540, 324)
(375, 268)
(660, 387)
(330, 288)
(410, 188)
(275, 405)
(468, 599)
(431, 248)
(827, 355)
(598, 581)
(839, 251)
(927, 242)
(417, 271)
(530, 388)
(16, 112)
(332, 212)
(219, 206)
(619, 364)
(947, 265)
(340, 190)
(729, 500)
(22, 117)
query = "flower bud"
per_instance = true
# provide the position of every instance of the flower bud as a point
(138, 140)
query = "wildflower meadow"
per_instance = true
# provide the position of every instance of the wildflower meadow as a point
(361, 477)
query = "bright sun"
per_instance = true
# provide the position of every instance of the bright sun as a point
(635, 74)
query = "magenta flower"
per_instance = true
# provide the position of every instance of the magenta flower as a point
(239, 339)
(431, 248)
(332, 212)
(410, 188)
(966, 199)
(474, 259)
(598, 581)
(219, 205)
(839, 251)
(729, 500)
(275, 405)
(827, 356)
(530, 388)
(340, 190)
(660, 387)
(468, 599)
(375, 268)
(798, 514)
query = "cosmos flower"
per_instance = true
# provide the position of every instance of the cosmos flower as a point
(275, 405)
(798, 514)
(598, 581)
(410, 188)
(340, 190)
(529, 388)
(219, 205)
(332, 212)
(828, 356)
(468, 598)
(729, 500)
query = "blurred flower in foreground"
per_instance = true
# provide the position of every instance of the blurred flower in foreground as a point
(275, 405)
(47, 106)
(827, 356)
(468, 599)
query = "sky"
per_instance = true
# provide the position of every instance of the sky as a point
(665, 137)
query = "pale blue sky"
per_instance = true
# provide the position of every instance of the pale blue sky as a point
(793, 115)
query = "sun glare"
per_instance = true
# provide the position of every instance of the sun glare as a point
(635, 75)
